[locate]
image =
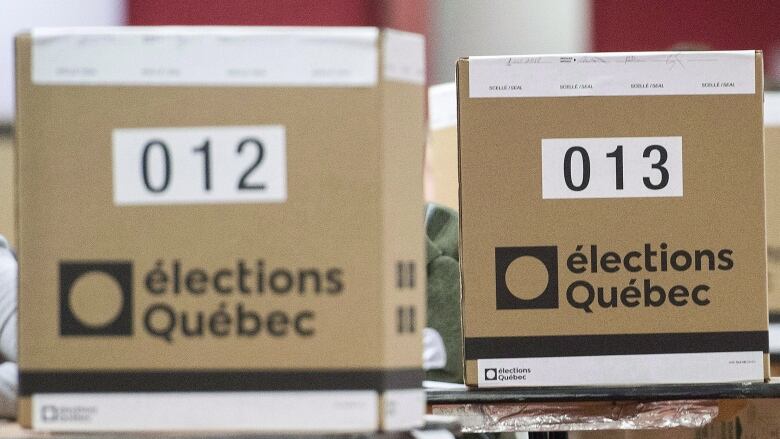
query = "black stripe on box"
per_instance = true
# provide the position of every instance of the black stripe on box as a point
(615, 344)
(31, 382)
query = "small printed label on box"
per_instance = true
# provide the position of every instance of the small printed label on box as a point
(708, 367)
(324, 411)
(620, 167)
(206, 56)
(200, 165)
(613, 74)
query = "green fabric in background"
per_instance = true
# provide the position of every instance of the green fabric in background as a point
(441, 227)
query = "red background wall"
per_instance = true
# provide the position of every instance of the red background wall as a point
(618, 25)
(249, 12)
(409, 15)
(629, 25)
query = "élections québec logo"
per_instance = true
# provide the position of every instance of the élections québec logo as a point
(528, 277)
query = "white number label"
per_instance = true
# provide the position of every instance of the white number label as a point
(619, 167)
(200, 165)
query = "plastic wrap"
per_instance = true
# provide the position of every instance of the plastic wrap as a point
(624, 415)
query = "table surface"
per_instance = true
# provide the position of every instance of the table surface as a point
(637, 393)
(492, 396)
(436, 430)
(436, 427)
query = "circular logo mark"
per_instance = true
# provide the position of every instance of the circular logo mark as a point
(96, 299)
(527, 278)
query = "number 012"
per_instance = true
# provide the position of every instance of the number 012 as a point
(163, 181)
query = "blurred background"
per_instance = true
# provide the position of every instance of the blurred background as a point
(453, 28)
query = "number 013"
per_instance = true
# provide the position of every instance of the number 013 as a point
(612, 167)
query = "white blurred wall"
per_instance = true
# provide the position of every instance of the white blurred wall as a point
(504, 27)
(19, 15)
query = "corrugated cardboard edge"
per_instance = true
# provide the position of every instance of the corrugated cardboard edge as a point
(23, 404)
(767, 368)
(469, 367)
(390, 118)
(24, 411)
(760, 92)
(8, 189)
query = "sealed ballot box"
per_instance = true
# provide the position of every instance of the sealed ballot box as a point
(220, 229)
(612, 219)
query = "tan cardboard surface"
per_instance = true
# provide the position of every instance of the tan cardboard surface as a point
(722, 208)
(403, 230)
(772, 139)
(442, 158)
(354, 207)
(7, 207)
(77, 220)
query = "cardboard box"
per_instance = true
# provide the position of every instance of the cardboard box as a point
(7, 206)
(442, 151)
(220, 229)
(612, 219)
